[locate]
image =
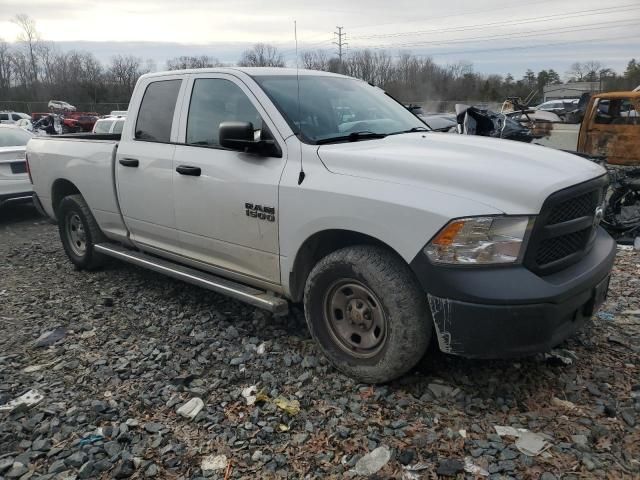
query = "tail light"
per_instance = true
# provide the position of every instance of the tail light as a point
(26, 159)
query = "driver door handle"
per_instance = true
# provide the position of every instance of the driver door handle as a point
(188, 170)
(129, 162)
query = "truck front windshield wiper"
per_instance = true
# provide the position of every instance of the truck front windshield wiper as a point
(352, 137)
(411, 130)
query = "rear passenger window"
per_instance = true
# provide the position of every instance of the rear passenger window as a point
(156, 111)
(117, 128)
(214, 101)
(103, 127)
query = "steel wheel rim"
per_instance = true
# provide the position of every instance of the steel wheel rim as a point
(76, 234)
(355, 318)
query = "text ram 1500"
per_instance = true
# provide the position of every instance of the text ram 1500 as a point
(251, 182)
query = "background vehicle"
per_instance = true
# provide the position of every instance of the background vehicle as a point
(14, 179)
(341, 199)
(59, 105)
(10, 118)
(109, 125)
(611, 128)
(118, 113)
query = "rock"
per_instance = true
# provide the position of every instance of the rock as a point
(373, 461)
(580, 440)
(300, 438)
(257, 455)
(50, 337)
(86, 470)
(76, 459)
(548, 476)
(124, 469)
(153, 427)
(440, 391)
(151, 470)
(213, 463)
(191, 409)
(57, 466)
(450, 468)
(406, 457)
(17, 470)
(628, 416)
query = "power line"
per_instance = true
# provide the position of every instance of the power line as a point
(582, 13)
(514, 35)
(526, 47)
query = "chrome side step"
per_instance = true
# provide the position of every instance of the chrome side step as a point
(244, 293)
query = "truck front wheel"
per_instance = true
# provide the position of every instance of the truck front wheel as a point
(367, 312)
(79, 233)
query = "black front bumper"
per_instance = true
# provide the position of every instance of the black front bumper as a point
(499, 312)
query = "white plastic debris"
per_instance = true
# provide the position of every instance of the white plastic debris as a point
(214, 462)
(636, 243)
(249, 394)
(509, 431)
(474, 469)
(462, 432)
(261, 349)
(372, 461)
(191, 409)
(563, 403)
(23, 402)
(531, 444)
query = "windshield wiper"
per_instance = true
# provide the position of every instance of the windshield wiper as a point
(352, 137)
(411, 130)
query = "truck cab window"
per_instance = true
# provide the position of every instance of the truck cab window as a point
(214, 101)
(156, 111)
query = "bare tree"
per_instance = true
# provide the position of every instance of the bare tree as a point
(124, 71)
(315, 60)
(30, 37)
(261, 55)
(585, 71)
(5, 66)
(184, 62)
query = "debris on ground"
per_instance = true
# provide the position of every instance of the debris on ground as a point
(213, 463)
(111, 396)
(191, 409)
(372, 462)
(50, 337)
(292, 407)
(474, 469)
(23, 402)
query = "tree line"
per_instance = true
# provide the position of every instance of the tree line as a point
(32, 69)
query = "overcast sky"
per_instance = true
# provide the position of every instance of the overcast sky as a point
(497, 36)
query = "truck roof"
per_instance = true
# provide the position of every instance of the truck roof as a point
(618, 95)
(251, 71)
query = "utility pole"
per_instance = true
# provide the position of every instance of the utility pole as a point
(340, 43)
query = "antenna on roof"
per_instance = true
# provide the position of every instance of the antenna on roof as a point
(295, 35)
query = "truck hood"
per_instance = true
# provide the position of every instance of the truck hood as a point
(512, 177)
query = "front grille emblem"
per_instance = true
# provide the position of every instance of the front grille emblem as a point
(597, 217)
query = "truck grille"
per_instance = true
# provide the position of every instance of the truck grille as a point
(564, 231)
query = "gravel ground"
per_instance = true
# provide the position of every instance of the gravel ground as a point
(135, 346)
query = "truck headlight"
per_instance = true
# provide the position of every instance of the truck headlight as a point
(480, 241)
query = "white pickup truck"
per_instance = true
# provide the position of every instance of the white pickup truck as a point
(252, 183)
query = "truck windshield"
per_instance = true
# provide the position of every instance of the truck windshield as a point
(337, 108)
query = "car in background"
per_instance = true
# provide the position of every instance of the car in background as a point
(109, 125)
(10, 117)
(15, 185)
(118, 113)
(559, 106)
(59, 105)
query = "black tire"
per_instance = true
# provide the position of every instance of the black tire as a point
(347, 275)
(74, 215)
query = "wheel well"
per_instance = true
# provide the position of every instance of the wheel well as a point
(60, 189)
(318, 246)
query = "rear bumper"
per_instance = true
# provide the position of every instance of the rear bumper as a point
(16, 197)
(510, 312)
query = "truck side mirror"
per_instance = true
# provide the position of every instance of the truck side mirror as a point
(239, 136)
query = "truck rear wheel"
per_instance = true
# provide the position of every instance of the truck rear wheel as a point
(367, 312)
(79, 233)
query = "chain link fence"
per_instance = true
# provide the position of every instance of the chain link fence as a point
(31, 107)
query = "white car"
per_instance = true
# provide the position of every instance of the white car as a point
(12, 118)
(14, 179)
(109, 125)
(339, 198)
(57, 105)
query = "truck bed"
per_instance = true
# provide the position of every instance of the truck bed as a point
(84, 161)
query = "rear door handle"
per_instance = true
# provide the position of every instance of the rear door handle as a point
(188, 170)
(129, 162)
